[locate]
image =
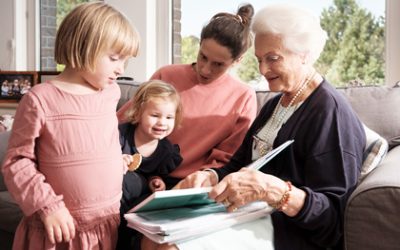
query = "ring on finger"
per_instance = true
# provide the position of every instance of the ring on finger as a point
(226, 202)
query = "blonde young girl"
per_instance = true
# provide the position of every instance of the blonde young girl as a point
(154, 113)
(63, 164)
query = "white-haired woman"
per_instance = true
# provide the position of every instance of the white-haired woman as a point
(310, 182)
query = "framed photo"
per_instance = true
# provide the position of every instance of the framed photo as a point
(14, 84)
(44, 76)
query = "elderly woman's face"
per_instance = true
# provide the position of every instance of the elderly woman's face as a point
(282, 68)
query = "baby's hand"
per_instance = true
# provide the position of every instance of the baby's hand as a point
(156, 184)
(59, 226)
(127, 159)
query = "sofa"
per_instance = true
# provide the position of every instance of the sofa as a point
(372, 213)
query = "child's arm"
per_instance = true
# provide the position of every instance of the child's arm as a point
(156, 184)
(25, 182)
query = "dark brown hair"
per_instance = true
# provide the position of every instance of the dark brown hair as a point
(230, 30)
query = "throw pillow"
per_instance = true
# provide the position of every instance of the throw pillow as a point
(375, 150)
(6, 122)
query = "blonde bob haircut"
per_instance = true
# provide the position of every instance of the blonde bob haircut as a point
(89, 31)
(148, 91)
(298, 28)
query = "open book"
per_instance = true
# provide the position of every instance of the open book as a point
(194, 196)
(260, 162)
(180, 214)
(177, 224)
(174, 198)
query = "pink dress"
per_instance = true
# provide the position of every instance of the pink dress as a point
(64, 151)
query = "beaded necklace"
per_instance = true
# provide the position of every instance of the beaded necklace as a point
(264, 141)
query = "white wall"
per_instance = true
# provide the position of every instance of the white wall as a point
(17, 37)
(7, 61)
(152, 19)
(392, 42)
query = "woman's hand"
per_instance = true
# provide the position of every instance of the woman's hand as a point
(198, 179)
(248, 185)
(59, 226)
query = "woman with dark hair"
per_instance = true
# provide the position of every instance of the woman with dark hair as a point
(217, 108)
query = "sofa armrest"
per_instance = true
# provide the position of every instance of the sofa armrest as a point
(372, 212)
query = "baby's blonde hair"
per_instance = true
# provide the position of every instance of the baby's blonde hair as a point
(90, 30)
(149, 90)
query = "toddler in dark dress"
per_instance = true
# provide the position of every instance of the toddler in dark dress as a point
(148, 155)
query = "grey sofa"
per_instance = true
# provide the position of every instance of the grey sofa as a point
(373, 212)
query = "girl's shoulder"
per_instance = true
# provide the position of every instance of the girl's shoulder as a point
(40, 91)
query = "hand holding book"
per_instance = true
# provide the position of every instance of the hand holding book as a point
(210, 178)
(194, 196)
(169, 216)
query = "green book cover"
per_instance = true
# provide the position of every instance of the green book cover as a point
(174, 198)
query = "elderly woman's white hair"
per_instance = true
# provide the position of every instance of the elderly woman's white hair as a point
(298, 28)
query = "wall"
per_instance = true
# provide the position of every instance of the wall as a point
(392, 42)
(7, 39)
(152, 19)
(48, 25)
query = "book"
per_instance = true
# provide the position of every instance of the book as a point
(177, 224)
(174, 198)
(260, 162)
(194, 196)
(180, 214)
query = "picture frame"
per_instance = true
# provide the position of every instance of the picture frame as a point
(14, 84)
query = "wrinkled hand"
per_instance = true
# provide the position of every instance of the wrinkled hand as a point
(127, 160)
(197, 179)
(245, 186)
(156, 184)
(59, 226)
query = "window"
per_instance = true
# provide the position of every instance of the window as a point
(52, 13)
(354, 53)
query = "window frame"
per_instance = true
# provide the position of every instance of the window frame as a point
(155, 19)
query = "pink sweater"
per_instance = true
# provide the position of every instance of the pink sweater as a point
(216, 117)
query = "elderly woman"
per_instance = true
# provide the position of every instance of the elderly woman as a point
(309, 183)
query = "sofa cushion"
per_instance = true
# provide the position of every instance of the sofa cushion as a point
(377, 108)
(372, 213)
(10, 213)
(375, 150)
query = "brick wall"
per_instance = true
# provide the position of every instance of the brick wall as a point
(176, 29)
(48, 26)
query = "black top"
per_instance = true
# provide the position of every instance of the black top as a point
(324, 161)
(163, 161)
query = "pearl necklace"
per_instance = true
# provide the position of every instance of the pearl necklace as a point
(264, 141)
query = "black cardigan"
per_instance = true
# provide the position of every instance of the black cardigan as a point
(324, 161)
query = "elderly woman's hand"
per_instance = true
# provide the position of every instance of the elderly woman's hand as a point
(198, 179)
(248, 185)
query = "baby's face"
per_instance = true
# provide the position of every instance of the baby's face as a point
(158, 118)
